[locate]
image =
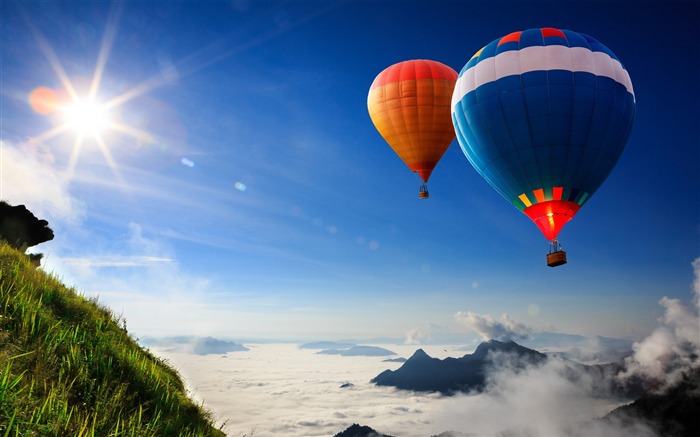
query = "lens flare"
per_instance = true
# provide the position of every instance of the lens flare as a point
(43, 100)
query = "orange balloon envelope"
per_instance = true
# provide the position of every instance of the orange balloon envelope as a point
(410, 105)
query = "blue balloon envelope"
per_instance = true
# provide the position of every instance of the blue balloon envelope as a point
(544, 115)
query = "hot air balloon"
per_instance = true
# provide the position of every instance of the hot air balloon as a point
(544, 115)
(409, 104)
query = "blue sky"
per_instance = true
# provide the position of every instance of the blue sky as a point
(247, 194)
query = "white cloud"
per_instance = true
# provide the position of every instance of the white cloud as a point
(430, 333)
(419, 335)
(28, 177)
(116, 261)
(489, 328)
(674, 347)
(413, 336)
(553, 399)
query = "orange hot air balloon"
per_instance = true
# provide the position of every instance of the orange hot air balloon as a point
(410, 105)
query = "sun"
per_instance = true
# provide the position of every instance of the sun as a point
(74, 108)
(86, 117)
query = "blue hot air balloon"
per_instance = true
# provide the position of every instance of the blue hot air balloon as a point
(544, 115)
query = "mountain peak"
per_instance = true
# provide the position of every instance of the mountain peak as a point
(356, 430)
(419, 354)
(423, 373)
(502, 346)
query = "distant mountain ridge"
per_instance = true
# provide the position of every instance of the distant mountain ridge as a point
(356, 351)
(195, 345)
(347, 349)
(327, 345)
(468, 373)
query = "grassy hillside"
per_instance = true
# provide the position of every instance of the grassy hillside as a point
(67, 367)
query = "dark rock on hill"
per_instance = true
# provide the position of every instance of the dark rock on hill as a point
(673, 413)
(468, 373)
(356, 430)
(22, 229)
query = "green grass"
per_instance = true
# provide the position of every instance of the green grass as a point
(69, 368)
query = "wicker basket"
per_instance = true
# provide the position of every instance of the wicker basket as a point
(556, 258)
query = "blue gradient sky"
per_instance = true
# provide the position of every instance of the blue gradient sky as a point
(251, 196)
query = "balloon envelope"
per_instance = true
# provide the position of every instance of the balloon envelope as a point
(544, 115)
(409, 104)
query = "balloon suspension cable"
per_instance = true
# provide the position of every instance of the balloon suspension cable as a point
(555, 246)
(423, 191)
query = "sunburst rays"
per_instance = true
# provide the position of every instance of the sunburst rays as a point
(82, 112)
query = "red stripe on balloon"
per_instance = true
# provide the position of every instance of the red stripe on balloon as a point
(414, 70)
(550, 31)
(511, 37)
(557, 193)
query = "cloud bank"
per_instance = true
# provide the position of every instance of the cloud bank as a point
(674, 346)
(554, 399)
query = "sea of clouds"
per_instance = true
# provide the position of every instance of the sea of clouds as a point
(285, 390)
(282, 390)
